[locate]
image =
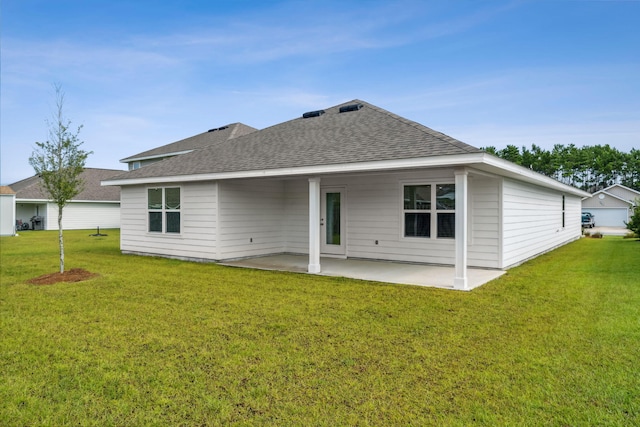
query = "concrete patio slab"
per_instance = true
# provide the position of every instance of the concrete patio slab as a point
(378, 271)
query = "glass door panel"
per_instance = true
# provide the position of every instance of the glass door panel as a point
(332, 221)
(332, 224)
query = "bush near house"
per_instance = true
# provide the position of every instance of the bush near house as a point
(634, 221)
(162, 342)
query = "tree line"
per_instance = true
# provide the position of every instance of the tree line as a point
(590, 168)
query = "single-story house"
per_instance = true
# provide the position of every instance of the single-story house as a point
(7, 211)
(187, 145)
(350, 181)
(612, 206)
(95, 206)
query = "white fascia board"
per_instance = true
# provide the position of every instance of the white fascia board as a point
(484, 161)
(156, 156)
(519, 172)
(94, 201)
(32, 200)
(438, 161)
(70, 201)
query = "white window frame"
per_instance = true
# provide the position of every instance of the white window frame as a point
(164, 210)
(433, 211)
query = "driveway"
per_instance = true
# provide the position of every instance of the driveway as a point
(608, 231)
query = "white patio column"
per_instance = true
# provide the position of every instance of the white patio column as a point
(460, 280)
(314, 225)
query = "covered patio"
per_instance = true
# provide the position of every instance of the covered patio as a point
(378, 271)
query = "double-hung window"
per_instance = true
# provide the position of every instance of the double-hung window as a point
(417, 210)
(164, 209)
(429, 210)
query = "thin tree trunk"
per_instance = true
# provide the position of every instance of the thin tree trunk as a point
(60, 240)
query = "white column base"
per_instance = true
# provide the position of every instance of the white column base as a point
(313, 268)
(461, 283)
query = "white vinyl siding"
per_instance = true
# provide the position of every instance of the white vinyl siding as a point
(251, 218)
(509, 221)
(605, 202)
(375, 212)
(7, 214)
(199, 223)
(296, 216)
(83, 216)
(532, 221)
(484, 222)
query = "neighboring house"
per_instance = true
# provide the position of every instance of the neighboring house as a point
(187, 145)
(353, 181)
(95, 206)
(612, 206)
(7, 211)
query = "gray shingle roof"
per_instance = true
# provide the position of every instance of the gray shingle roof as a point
(32, 188)
(368, 134)
(202, 140)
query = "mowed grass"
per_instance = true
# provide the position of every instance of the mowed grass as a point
(154, 341)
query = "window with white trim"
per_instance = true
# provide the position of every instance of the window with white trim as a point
(421, 217)
(164, 209)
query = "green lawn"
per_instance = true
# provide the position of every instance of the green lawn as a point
(163, 342)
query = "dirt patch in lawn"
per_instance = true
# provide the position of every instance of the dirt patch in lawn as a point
(73, 275)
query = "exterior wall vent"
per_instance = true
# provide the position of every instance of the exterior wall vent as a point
(351, 107)
(316, 113)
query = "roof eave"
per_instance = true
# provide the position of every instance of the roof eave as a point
(382, 165)
(512, 170)
(480, 160)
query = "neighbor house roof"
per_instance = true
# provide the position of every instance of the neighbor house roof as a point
(621, 191)
(211, 137)
(5, 189)
(33, 189)
(350, 137)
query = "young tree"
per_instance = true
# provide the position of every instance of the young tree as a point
(59, 162)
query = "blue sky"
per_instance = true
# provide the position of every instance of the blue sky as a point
(139, 74)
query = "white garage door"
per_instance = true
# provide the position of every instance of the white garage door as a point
(609, 217)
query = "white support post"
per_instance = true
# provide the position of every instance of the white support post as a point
(314, 225)
(460, 280)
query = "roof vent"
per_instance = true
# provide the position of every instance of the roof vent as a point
(351, 107)
(313, 114)
(215, 129)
